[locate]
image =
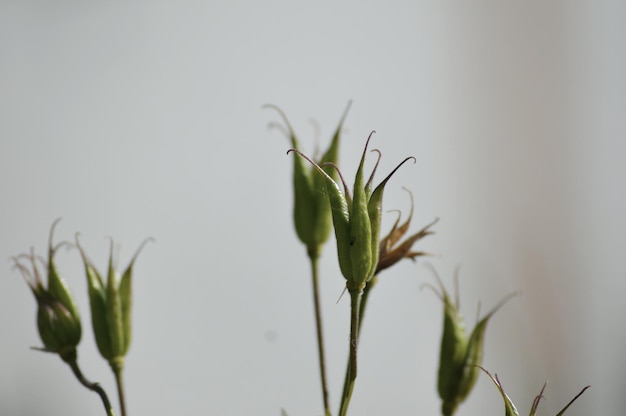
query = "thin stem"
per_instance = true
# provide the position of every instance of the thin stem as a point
(91, 386)
(348, 384)
(117, 365)
(363, 304)
(355, 301)
(313, 256)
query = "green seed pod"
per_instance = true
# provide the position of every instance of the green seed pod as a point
(509, 407)
(356, 220)
(460, 355)
(357, 229)
(311, 211)
(58, 321)
(59, 330)
(110, 306)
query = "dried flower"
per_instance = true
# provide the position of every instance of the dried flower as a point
(390, 252)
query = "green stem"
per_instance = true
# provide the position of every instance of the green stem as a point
(348, 383)
(355, 300)
(117, 365)
(314, 256)
(368, 287)
(73, 363)
(351, 373)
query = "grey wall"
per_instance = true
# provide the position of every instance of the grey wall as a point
(137, 119)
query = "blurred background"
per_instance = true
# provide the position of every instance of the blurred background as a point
(143, 119)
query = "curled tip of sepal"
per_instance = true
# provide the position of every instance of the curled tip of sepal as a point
(50, 244)
(346, 190)
(572, 401)
(140, 248)
(82, 252)
(371, 178)
(111, 250)
(367, 142)
(52, 249)
(282, 115)
(32, 279)
(345, 114)
(280, 112)
(500, 304)
(384, 181)
(283, 130)
(311, 161)
(537, 399)
(510, 409)
(443, 293)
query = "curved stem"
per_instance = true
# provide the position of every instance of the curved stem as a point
(91, 386)
(313, 256)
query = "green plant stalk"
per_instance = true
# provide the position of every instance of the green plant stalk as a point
(91, 386)
(355, 303)
(314, 257)
(348, 384)
(117, 365)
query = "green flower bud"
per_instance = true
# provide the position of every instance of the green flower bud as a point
(311, 211)
(58, 321)
(460, 355)
(356, 220)
(110, 306)
(509, 407)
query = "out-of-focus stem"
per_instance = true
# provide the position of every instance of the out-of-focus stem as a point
(355, 302)
(314, 256)
(91, 386)
(117, 365)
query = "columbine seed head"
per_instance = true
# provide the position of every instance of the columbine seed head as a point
(311, 211)
(58, 321)
(460, 354)
(111, 306)
(356, 220)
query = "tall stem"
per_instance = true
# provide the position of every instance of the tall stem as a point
(117, 365)
(91, 386)
(355, 302)
(348, 384)
(314, 256)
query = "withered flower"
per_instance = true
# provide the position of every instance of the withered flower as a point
(390, 252)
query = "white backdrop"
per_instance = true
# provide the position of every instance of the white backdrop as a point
(137, 119)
